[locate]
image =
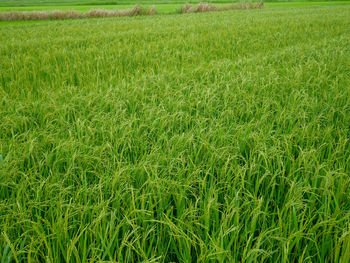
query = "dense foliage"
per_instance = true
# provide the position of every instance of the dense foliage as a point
(216, 137)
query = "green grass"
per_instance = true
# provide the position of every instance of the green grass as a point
(217, 137)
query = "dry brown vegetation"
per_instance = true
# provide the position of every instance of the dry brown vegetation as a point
(137, 10)
(206, 7)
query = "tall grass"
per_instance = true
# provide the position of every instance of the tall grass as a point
(206, 7)
(220, 137)
(137, 10)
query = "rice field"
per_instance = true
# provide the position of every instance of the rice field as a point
(201, 137)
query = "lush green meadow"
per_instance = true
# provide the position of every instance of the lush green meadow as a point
(216, 137)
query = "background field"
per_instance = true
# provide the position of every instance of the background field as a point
(116, 2)
(163, 7)
(217, 137)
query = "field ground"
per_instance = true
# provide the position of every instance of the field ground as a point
(162, 8)
(213, 137)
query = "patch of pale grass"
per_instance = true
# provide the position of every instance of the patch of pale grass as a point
(206, 7)
(137, 10)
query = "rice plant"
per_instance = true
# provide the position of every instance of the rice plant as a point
(206, 137)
